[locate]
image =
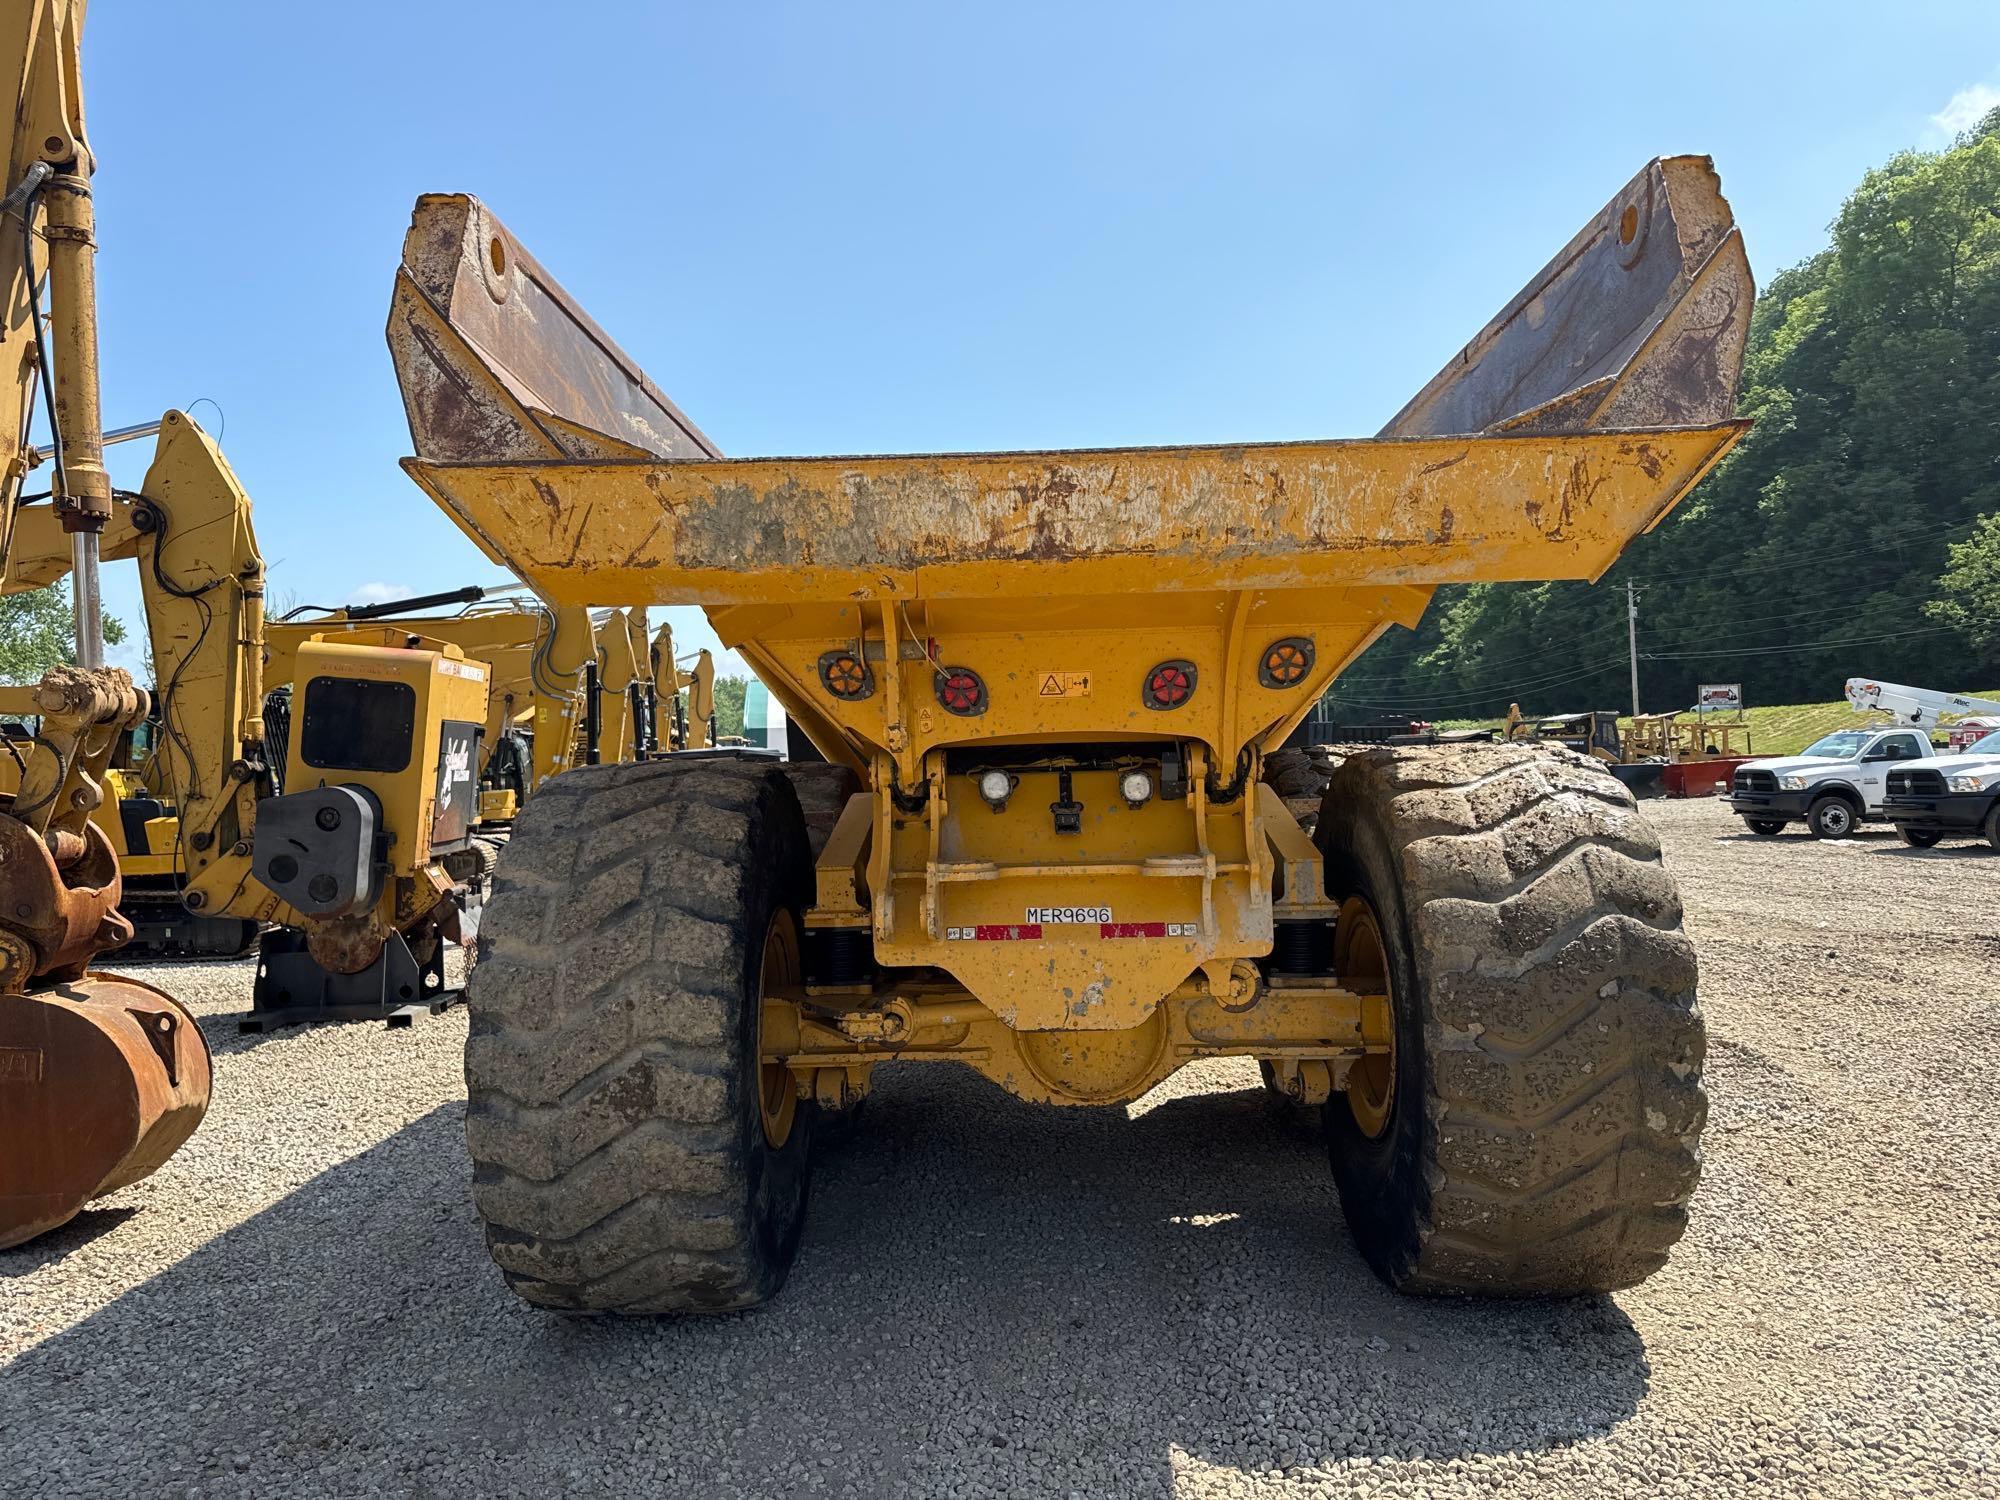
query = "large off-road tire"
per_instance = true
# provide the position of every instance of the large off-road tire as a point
(629, 1153)
(1538, 1132)
(1299, 778)
(823, 790)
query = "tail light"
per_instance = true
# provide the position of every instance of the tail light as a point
(1168, 685)
(846, 676)
(1286, 662)
(960, 691)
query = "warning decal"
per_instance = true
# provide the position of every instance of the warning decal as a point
(1065, 685)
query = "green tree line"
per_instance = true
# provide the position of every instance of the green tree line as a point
(1854, 531)
(38, 631)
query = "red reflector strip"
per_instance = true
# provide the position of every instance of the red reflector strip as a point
(1131, 929)
(1006, 934)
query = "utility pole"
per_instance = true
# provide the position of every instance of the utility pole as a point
(1632, 638)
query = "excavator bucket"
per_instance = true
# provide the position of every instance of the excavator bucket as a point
(101, 1080)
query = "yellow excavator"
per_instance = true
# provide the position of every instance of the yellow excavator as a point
(539, 657)
(101, 1077)
(569, 688)
(619, 715)
(690, 689)
(347, 817)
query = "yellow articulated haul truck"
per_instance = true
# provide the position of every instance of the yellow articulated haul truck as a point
(1045, 685)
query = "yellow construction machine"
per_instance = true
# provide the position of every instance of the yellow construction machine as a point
(622, 709)
(1044, 685)
(343, 837)
(184, 814)
(539, 659)
(690, 689)
(102, 1078)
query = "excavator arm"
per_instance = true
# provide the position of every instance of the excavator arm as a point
(117, 1073)
(201, 579)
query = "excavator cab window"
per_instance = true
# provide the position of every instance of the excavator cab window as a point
(353, 724)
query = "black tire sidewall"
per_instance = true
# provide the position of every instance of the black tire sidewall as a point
(777, 1180)
(1817, 814)
(1920, 838)
(1383, 1182)
(1766, 827)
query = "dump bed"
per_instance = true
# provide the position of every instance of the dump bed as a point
(1572, 423)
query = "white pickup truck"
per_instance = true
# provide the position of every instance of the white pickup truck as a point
(1954, 796)
(1831, 786)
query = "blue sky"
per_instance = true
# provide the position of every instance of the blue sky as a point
(903, 228)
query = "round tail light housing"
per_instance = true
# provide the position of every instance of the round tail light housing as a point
(1285, 662)
(960, 691)
(846, 676)
(1168, 685)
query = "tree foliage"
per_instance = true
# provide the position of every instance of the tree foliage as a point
(38, 631)
(1969, 592)
(1814, 551)
(729, 693)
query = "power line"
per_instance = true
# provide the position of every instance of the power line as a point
(1920, 537)
(1498, 690)
(1796, 648)
(1540, 654)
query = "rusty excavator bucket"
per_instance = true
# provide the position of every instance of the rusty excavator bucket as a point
(1572, 423)
(101, 1078)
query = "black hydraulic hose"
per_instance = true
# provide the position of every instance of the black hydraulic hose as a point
(29, 185)
(28, 192)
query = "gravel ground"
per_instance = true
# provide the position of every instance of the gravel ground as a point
(1000, 1300)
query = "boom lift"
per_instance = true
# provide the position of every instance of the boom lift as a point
(1920, 708)
(1045, 684)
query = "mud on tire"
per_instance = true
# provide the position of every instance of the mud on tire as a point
(620, 1158)
(1300, 779)
(1543, 1135)
(823, 790)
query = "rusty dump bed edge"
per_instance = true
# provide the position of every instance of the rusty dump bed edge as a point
(1281, 515)
(1573, 422)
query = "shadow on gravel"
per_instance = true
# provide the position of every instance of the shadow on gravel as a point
(226, 1038)
(991, 1295)
(47, 1249)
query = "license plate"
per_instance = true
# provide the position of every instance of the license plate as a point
(1067, 916)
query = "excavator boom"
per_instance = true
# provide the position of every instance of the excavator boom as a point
(101, 1078)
